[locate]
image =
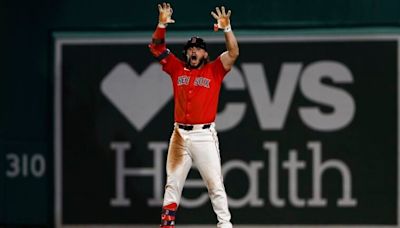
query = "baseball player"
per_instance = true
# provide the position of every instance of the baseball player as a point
(196, 84)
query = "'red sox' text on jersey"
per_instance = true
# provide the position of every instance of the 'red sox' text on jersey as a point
(196, 91)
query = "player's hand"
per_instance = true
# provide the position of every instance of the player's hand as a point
(165, 14)
(223, 21)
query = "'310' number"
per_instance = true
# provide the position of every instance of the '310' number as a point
(25, 165)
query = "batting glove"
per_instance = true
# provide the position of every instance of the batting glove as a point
(165, 13)
(223, 21)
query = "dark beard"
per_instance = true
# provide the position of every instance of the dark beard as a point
(202, 61)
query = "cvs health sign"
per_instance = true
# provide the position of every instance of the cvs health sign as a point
(308, 130)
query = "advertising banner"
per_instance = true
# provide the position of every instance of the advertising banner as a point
(307, 127)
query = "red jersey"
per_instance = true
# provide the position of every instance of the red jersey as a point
(196, 91)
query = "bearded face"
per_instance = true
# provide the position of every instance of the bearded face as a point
(196, 57)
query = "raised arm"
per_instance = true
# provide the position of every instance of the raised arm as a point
(157, 45)
(228, 57)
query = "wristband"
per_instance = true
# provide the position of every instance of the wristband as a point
(161, 25)
(228, 29)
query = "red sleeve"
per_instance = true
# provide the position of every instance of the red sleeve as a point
(157, 45)
(159, 50)
(171, 64)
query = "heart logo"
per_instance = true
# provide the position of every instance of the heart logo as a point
(138, 97)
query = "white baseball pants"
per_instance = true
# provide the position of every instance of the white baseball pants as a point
(199, 147)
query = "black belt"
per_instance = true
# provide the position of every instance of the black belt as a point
(190, 127)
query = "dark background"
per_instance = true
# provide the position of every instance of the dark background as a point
(26, 68)
(91, 123)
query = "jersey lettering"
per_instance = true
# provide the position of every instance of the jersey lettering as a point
(200, 81)
(183, 80)
(200, 87)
